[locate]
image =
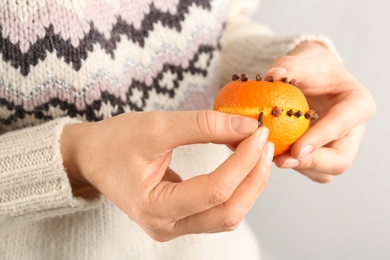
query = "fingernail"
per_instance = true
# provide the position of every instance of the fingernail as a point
(263, 136)
(305, 151)
(243, 125)
(290, 163)
(277, 70)
(269, 153)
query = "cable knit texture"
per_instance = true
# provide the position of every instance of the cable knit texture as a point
(33, 183)
(68, 61)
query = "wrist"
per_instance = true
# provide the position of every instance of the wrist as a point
(303, 42)
(303, 47)
(70, 151)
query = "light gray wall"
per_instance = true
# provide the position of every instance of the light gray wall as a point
(349, 218)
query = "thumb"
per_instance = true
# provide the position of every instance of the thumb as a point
(308, 61)
(277, 71)
(208, 126)
(287, 68)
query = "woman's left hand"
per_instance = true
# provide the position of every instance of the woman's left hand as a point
(343, 104)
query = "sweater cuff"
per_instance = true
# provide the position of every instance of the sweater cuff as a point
(324, 40)
(33, 181)
(251, 48)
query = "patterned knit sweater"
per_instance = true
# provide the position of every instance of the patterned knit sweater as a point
(67, 61)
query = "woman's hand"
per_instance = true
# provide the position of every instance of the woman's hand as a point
(127, 159)
(343, 104)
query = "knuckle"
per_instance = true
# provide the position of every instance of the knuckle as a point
(154, 224)
(206, 123)
(262, 183)
(219, 195)
(219, 192)
(159, 229)
(160, 236)
(247, 162)
(333, 169)
(232, 220)
(322, 178)
(149, 223)
(339, 168)
(373, 109)
(327, 174)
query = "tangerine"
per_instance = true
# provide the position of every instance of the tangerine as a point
(279, 105)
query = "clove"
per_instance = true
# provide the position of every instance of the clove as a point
(260, 120)
(244, 77)
(293, 82)
(311, 114)
(235, 77)
(276, 111)
(298, 114)
(290, 113)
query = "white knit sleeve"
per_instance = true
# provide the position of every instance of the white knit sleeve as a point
(33, 182)
(250, 47)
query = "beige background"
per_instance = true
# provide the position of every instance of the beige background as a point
(349, 218)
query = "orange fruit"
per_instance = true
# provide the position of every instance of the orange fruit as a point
(279, 105)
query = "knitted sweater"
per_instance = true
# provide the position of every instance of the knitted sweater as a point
(71, 61)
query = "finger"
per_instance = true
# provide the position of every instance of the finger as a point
(229, 215)
(277, 72)
(312, 168)
(316, 176)
(306, 63)
(205, 191)
(336, 157)
(327, 161)
(290, 67)
(205, 126)
(286, 161)
(338, 121)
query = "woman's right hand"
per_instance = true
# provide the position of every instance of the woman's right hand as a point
(127, 159)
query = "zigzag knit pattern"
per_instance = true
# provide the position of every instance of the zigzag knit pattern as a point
(97, 58)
